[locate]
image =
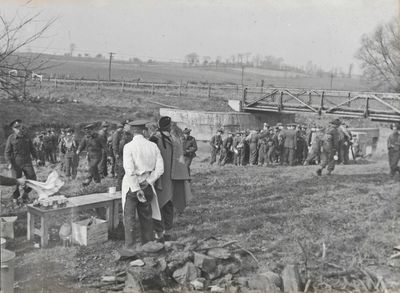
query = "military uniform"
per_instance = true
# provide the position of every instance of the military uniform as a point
(262, 151)
(226, 152)
(290, 146)
(18, 152)
(103, 171)
(330, 145)
(237, 150)
(215, 144)
(69, 146)
(95, 148)
(125, 138)
(189, 148)
(48, 145)
(39, 147)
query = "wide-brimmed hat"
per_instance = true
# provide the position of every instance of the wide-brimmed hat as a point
(89, 126)
(220, 130)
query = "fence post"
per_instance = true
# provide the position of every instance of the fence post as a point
(74, 84)
(152, 88)
(98, 84)
(309, 98)
(237, 89)
(180, 88)
(244, 96)
(209, 91)
(55, 83)
(262, 86)
(349, 97)
(122, 86)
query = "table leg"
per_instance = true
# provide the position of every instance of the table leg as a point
(110, 216)
(30, 226)
(44, 231)
(116, 213)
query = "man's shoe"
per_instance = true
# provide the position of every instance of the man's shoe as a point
(319, 172)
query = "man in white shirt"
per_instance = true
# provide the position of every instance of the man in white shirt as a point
(143, 165)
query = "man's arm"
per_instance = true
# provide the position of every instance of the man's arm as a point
(82, 145)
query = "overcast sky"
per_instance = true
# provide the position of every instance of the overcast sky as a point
(326, 32)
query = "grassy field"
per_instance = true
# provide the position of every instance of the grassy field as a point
(78, 68)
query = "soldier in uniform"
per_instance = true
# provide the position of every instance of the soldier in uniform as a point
(103, 135)
(262, 151)
(48, 144)
(226, 150)
(69, 146)
(18, 152)
(345, 144)
(95, 148)
(39, 147)
(118, 147)
(116, 137)
(216, 144)
(237, 149)
(54, 144)
(330, 145)
(111, 153)
(61, 154)
(393, 145)
(189, 147)
(290, 145)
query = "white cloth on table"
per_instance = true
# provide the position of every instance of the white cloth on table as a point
(142, 162)
(45, 189)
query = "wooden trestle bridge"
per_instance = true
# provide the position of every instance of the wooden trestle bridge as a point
(375, 106)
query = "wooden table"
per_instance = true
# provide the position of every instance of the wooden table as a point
(76, 204)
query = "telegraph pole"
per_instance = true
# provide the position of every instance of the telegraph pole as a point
(109, 66)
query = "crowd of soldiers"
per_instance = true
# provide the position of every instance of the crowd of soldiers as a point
(145, 162)
(290, 144)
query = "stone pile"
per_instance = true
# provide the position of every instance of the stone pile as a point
(190, 264)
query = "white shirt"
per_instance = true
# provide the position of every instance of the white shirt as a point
(142, 161)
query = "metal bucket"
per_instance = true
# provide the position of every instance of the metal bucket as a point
(7, 271)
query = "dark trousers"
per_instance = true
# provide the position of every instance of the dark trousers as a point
(188, 162)
(29, 172)
(93, 162)
(271, 155)
(71, 165)
(262, 155)
(394, 158)
(113, 163)
(289, 156)
(237, 157)
(103, 164)
(167, 218)
(133, 205)
(327, 160)
(214, 153)
(119, 168)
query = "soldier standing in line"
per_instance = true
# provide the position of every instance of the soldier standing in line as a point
(272, 141)
(103, 135)
(62, 158)
(315, 142)
(47, 144)
(18, 152)
(125, 137)
(116, 137)
(216, 144)
(290, 145)
(252, 139)
(189, 147)
(226, 150)
(346, 144)
(393, 145)
(39, 147)
(54, 144)
(69, 146)
(262, 151)
(95, 148)
(330, 144)
(237, 149)
(111, 153)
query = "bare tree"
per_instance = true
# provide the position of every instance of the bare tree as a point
(380, 56)
(16, 67)
(192, 59)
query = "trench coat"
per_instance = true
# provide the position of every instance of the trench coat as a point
(173, 185)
